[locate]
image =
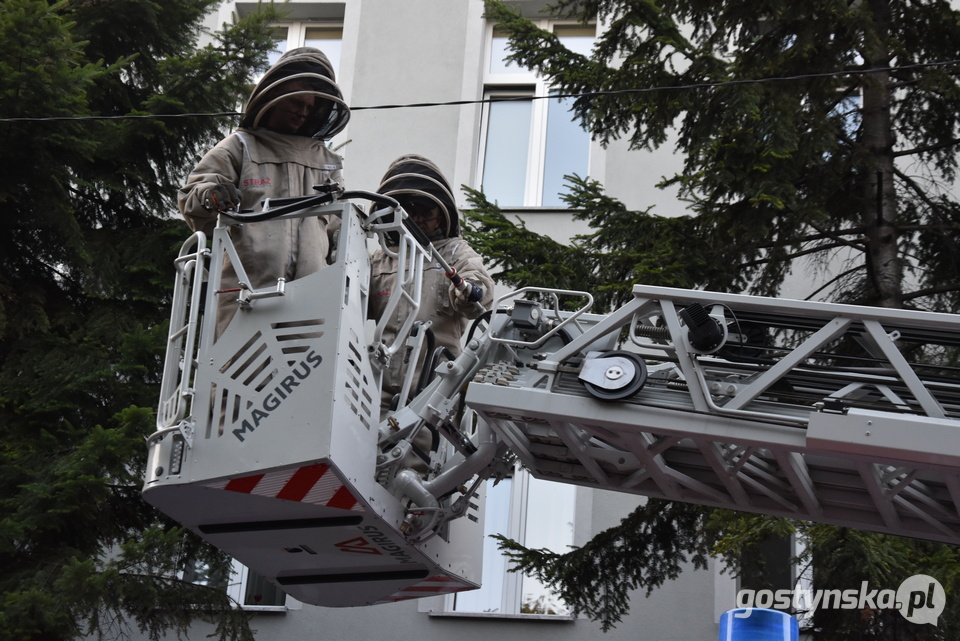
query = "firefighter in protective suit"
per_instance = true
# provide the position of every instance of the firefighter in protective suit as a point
(277, 151)
(421, 189)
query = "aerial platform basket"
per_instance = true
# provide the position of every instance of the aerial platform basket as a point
(267, 436)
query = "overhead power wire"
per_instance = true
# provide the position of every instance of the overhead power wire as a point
(526, 98)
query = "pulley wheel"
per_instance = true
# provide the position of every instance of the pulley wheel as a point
(614, 375)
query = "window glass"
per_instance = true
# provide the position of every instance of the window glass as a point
(507, 152)
(489, 597)
(203, 574)
(566, 151)
(280, 39)
(251, 590)
(328, 39)
(567, 144)
(530, 147)
(538, 514)
(260, 592)
(576, 38)
(549, 524)
(498, 54)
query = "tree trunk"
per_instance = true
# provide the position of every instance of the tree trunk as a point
(884, 275)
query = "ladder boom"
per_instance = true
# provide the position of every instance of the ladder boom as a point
(836, 413)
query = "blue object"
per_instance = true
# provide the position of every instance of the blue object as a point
(758, 624)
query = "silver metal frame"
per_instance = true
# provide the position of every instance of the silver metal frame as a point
(283, 466)
(793, 433)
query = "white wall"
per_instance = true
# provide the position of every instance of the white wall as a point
(431, 51)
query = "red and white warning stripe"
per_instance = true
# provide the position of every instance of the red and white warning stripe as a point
(315, 484)
(431, 586)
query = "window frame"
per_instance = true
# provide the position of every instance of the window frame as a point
(535, 140)
(237, 588)
(511, 594)
(522, 83)
(297, 35)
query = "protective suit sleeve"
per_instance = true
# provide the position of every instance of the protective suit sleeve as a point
(220, 165)
(469, 265)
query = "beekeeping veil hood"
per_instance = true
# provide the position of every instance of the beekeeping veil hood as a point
(414, 178)
(304, 71)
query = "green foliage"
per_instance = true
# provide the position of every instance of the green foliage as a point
(661, 539)
(844, 559)
(86, 250)
(647, 548)
(825, 131)
(741, 536)
(794, 129)
(517, 256)
(623, 248)
(840, 559)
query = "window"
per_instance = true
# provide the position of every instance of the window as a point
(327, 37)
(507, 158)
(537, 513)
(246, 588)
(253, 592)
(773, 566)
(849, 113)
(530, 140)
(770, 567)
(200, 573)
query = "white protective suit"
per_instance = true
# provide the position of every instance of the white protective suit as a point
(410, 177)
(267, 164)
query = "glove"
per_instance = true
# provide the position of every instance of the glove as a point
(467, 291)
(223, 197)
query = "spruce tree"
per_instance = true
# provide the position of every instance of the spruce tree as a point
(816, 131)
(808, 130)
(103, 107)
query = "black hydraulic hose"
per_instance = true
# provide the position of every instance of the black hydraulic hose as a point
(429, 369)
(299, 203)
(258, 216)
(486, 316)
(424, 379)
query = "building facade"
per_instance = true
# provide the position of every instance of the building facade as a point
(393, 57)
(423, 76)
